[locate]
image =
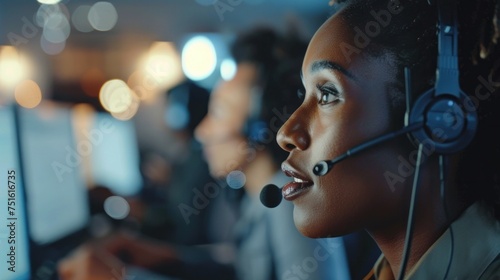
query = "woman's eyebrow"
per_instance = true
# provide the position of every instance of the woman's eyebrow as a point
(330, 65)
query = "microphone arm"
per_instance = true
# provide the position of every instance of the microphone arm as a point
(323, 167)
(271, 195)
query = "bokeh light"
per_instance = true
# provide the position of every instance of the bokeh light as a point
(115, 96)
(51, 48)
(228, 69)
(159, 69)
(80, 19)
(199, 58)
(103, 16)
(236, 179)
(49, 2)
(130, 111)
(163, 65)
(143, 85)
(12, 67)
(56, 28)
(44, 12)
(116, 207)
(54, 19)
(28, 94)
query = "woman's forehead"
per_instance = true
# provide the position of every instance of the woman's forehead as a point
(333, 42)
(340, 46)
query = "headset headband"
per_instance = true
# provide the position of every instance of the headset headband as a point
(447, 78)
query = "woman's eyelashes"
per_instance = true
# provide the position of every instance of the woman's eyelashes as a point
(327, 94)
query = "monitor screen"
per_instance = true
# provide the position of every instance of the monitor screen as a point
(115, 155)
(14, 260)
(55, 189)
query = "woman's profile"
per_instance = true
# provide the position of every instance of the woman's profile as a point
(354, 76)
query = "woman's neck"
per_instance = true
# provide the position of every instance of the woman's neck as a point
(430, 222)
(426, 230)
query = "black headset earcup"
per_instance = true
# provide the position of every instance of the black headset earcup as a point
(449, 123)
(255, 131)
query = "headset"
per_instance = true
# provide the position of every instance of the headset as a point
(443, 117)
(255, 126)
(187, 105)
(448, 114)
(276, 86)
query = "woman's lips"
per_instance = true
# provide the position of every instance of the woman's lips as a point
(297, 187)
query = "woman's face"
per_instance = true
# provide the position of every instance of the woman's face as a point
(346, 103)
(220, 132)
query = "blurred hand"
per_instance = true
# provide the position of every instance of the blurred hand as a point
(89, 262)
(137, 208)
(146, 253)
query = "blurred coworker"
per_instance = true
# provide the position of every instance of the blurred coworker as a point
(238, 134)
(158, 208)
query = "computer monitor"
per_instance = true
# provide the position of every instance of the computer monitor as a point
(14, 244)
(115, 155)
(55, 189)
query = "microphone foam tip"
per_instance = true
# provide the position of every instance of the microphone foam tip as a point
(321, 168)
(271, 196)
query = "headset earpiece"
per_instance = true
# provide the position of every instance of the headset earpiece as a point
(255, 127)
(449, 122)
(448, 114)
(254, 131)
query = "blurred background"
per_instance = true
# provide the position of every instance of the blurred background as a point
(98, 102)
(66, 51)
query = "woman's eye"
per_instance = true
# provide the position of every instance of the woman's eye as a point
(328, 95)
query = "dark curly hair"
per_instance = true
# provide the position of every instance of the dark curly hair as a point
(278, 59)
(411, 39)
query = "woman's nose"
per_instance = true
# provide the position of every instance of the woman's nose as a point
(293, 134)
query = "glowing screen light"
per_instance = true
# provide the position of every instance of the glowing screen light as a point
(199, 58)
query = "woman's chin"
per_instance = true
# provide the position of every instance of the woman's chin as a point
(313, 226)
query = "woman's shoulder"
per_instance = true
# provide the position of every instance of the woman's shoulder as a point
(492, 271)
(474, 242)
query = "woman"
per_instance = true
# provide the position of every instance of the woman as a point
(237, 136)
(353, 73)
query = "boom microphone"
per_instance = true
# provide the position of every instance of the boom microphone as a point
(271, 195)
(323, 167)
